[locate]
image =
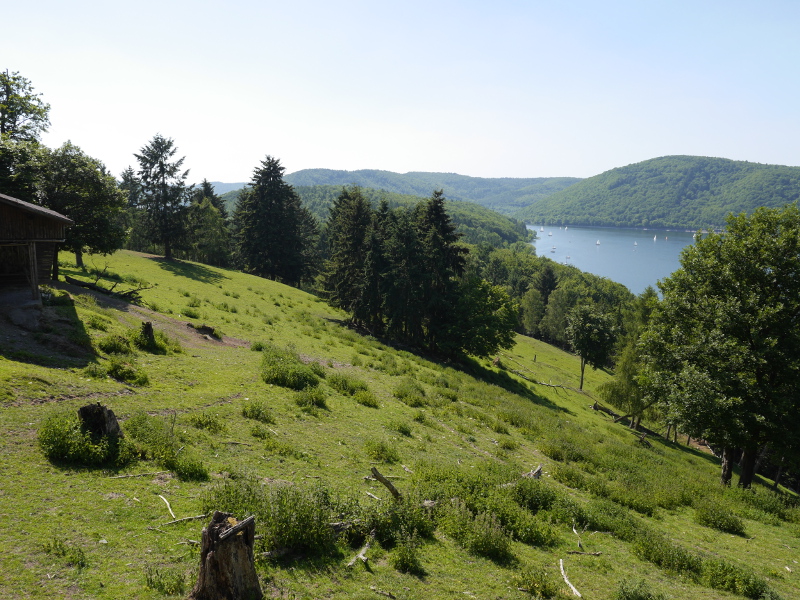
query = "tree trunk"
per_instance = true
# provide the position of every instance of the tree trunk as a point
(747, 467)
(669, 428)
(226, 561)
(727, 466)
(55, 263)
(778, 475)
(167, 250)
(762, 456)
(583, 366)
(79, 259)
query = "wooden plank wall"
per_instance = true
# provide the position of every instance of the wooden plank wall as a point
(18, 225)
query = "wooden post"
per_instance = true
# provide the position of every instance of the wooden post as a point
(33, 266)
(227, 569)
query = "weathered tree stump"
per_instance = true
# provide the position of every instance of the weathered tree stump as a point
(148, 334)
(227, 570)
(99, 421)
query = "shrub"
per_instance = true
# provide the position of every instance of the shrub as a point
(711, 514)
(97, 322)
(479, 534)
(258, 411)
(115, 344)
(410, 392)
(126, 372)
(636, 590)
(62, 439)
(157, 441)
(170, 582)
(210, 422)
(401, 428)
(310, 399)
(381, 451)
(366, 398)
(391, 519)
(160, 343)
(273, 445)
(405, 557)
(73, 554)
(346, 384)
(284, 368)
(538, 582)
(187, 467)
(290, 518)
(191, 313)
(533, 494)
(660, 551)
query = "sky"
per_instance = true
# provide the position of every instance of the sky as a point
(505, 88)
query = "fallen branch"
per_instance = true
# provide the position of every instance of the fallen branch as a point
(169, 508)
(387, 483)
(185, 519)
(584, 553)
(138, 475)
(236, 528)
(238, 443)
(362, 553)
(381, 592)
(373, 496)
(564, 575)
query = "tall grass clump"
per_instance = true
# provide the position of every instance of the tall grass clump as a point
(258, 411)
(126, 371)
(347, 385)
(290, 518)
(63, 439)
(381, 451)
(157, 441)
(409, 392)
(405, 556)
(170, 582)
(711, 514)
(160, 343)
(630, 589)
(479, 534)
(539, 583)
(70, 552)
(284, 368)
(366, 398)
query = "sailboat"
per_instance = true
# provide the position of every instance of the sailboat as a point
(635, 243)
(551, 233)
(542, 229)
(654, 238)
(597, 243)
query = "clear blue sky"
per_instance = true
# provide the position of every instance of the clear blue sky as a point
(488, 89)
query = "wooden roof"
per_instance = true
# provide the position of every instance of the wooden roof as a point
(35, 209)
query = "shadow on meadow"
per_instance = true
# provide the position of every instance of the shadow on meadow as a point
(194, 271)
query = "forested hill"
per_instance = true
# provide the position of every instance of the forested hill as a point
(476, 223)
(504, 195)
(669, 192)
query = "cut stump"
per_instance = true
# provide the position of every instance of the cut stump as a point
(99, 421)
(226, 561)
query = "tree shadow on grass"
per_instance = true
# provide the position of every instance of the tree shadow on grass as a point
(189, 270)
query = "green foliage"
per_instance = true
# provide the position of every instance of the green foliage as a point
(410, 392)
(479, 534)
(70, 552)
(160, 343)
(290, 518)
(23, 115)
(630, 589)
(539, 583)
(208, 421)
(310, 398)
(671, 192)
(366, 398)
(347, 385)
(115, 344)
(157, 441)
(405, 556)
(711, 514)
(664, 553)
(257, 410)
(126, 371)
(170, 582)
(284, 368)
(63, 440)
(533, 494)
(381, 450)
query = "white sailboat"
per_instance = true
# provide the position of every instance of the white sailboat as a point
(635, 243)
(597, 243)
(654, 238)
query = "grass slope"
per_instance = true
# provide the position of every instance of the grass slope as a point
(443, 431)
(669, 192)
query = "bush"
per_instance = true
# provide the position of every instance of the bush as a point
(366, 398)
(660, 551)
(538, 582)
(160, 343)
(346, 384)
(210, 422)
(62, 439)
(410, 392)
(405, 557)
(722, 575)
(381, 451)
(533, 494)
(403, 429)
(115, 344)
(479, 534)
(126, 372)
(157, 441)
(637, 590)
(310, 399)
(711, 514)
(284, 368)
(290, 518)
(258, 411)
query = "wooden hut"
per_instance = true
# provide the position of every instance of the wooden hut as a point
(29, 235)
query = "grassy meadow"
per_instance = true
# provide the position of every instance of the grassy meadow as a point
(268, 405)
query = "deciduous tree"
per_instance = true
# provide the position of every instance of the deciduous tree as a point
(591, 335)
(23, 115)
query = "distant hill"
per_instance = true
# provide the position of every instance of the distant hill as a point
(504, 195)
(686, 192)
(223, 188)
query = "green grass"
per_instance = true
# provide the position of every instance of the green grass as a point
(208, 432)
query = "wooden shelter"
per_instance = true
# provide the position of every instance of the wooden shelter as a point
(29, 235)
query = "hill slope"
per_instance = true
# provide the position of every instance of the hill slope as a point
(459, 434)
(686, 192)
(503, 195)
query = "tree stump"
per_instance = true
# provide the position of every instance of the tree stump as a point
(99, 421)
(148, 334)
(227, 570)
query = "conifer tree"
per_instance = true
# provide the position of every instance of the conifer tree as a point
(275, 234)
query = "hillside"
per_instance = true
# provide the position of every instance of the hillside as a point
(504, 195)
(476, 223)
(209, 432)
(680, 192)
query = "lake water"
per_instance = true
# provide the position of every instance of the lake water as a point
(631, 257)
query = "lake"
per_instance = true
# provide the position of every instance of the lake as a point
(635, 258)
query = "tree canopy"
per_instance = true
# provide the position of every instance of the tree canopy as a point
(723, 348)
(23, 115)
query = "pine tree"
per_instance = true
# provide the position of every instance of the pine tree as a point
(164, 193)
(275, 235)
